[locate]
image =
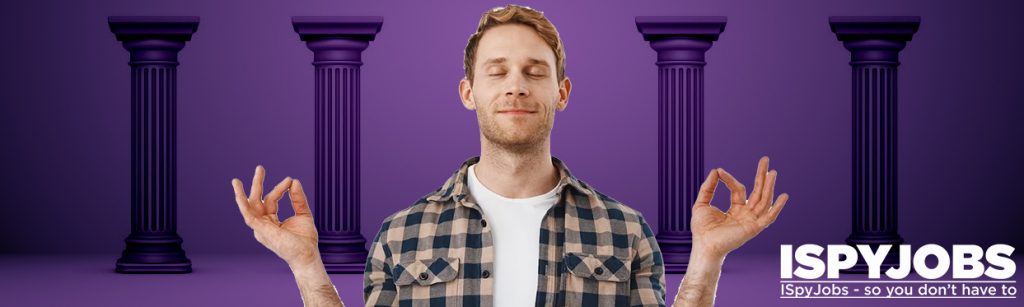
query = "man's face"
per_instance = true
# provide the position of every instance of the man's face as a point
(515, 89)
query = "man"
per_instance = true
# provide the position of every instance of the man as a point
(513, 227)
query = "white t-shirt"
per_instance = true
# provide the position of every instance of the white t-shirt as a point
(515, 231)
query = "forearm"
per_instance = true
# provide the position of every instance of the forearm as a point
(315, 285)
(701, 281)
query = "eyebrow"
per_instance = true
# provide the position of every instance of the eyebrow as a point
(503, 60)
(494, 61)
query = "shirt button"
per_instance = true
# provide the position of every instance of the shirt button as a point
(599, 271)
(485, 274)
(483, 223)
(424, 276)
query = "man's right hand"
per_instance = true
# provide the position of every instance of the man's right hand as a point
(294, 240)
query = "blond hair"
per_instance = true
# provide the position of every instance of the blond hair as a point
(516, 14)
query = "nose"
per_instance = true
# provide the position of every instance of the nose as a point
(516, 87)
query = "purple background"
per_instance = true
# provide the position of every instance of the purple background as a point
(777, 83)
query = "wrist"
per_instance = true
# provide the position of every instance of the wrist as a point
(305, 260)
(701, 257)
(310, 272)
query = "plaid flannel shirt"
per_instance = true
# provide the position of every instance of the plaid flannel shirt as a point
(594, 251)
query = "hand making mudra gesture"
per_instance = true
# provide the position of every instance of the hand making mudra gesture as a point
(294, 240)
(715, 233)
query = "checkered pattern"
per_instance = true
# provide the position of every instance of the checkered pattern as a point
(594, 251)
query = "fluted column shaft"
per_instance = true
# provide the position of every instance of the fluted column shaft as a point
(153, 43)
(681, 43)
(874, 44)
(874, 153)
(337, 147)
(337, 44)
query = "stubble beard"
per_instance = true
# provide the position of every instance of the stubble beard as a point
(524, 140)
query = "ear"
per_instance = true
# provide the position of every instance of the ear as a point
(466, 94)
(563, 93)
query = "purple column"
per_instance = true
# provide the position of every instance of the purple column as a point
(153, 43)
(680, 42)
(874, 44)
(337, 43)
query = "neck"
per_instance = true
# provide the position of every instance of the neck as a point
(516, 173)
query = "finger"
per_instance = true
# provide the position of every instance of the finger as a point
(707, 189)
(243, 203)
(762, 167)
(298, 197)
(257, 184)
(270, 202)
(738, 192)
(768, 193)
(773, 213)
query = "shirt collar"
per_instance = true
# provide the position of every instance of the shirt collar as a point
(456, 188)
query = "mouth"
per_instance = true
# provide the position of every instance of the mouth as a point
(516, 112)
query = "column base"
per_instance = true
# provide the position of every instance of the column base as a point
(345, 268)
(153, 254)
(344, 254)
(676, 268)
(675, 250)
(154, 268)
(891, 259)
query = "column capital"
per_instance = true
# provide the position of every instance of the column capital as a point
(362, 28)
(153, 39)
(874, 39)
(337, 39)
(893, 28)
(705, 28)
(179, 28)
(680, 39)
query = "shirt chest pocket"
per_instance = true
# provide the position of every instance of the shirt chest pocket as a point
(597, 267)
(426, 272)
(596, 280)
